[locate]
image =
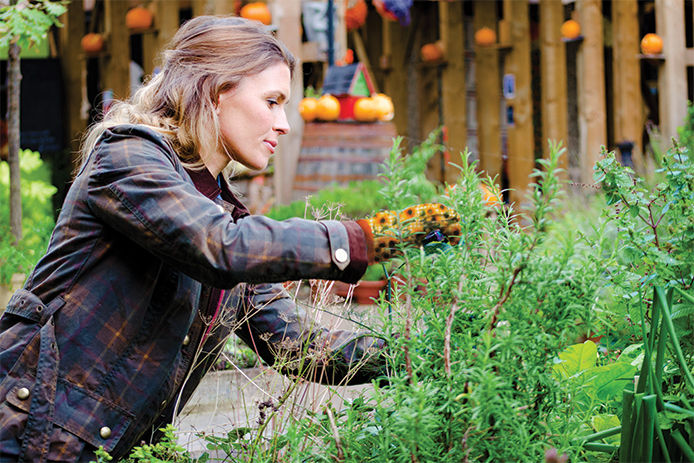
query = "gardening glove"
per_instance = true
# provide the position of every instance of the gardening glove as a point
(416, 225)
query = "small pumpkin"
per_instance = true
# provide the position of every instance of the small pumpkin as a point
(308, 108)
(138, 18)
(384, 107)
(328, 108)
(485, 37)
(431, 51)
(92, 43)
(365, 110)
(570, 29)
(257, 11)
(651, 44)
(355, 15)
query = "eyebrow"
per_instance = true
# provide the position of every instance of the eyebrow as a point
(280, 95)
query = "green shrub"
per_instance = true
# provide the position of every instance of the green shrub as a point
(37, 215)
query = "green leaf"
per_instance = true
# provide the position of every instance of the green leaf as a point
(607, 382)
(604, 422)
(577, 358)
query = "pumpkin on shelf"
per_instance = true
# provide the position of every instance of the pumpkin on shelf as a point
(308, 109)
(485, 37)
(651, 44)
(257, 11)
(432, 51)
(139, 18)
(365, 110)
(384, 107)
(328, 108)
(92, 43)
(570, 29)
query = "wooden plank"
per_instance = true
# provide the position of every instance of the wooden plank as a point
(73, 69)
(488, 87)
(521, 145)
(591, 87)
(553, 78)
(168, 22)
(288, 19)
(453, 84)
(115, 68)
(394, 43)
(628, 118)
(672, 76)
(223, 7)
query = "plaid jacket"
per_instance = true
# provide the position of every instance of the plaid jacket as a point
(149, 268)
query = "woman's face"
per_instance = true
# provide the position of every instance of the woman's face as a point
(252, 117)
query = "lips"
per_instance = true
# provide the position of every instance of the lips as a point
(271, 145)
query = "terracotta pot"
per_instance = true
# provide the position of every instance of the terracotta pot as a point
(364, 292)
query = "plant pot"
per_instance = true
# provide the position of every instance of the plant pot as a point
(366, 291)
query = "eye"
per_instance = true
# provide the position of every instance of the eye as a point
(272, 102)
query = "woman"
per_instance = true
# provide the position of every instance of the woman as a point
(153, 261)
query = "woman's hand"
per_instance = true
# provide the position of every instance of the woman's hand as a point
(388, 229)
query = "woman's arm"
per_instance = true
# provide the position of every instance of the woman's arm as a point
(135, 188)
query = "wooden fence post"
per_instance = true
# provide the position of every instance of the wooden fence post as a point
(553, 80)
(288, 19)
(115, 70)
(521, 145)
(488, 86)
(628, 106)
(453, 84)
(591, 87)
(672, 78)
(73, 67)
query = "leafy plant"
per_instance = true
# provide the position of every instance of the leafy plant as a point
(37, 218)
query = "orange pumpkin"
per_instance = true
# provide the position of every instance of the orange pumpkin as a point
(651, 44)
(355, 16)
(365, 110)
(138, 18)
(490, 198)
(328, 108)
(485, 37)
(431, 51)
(571, 29)
(92, 43)
(384, 107)
(257, 11)
(308, 107)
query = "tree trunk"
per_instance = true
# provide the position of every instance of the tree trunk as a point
(15, 78)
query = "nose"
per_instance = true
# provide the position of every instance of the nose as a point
(282, 123)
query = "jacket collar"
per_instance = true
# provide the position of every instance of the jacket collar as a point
(206, 184)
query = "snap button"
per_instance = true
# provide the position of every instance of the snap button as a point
(105, 432)
(23, 393)
(341, 256)
(186, 340)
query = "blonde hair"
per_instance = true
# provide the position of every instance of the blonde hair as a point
(208, 56)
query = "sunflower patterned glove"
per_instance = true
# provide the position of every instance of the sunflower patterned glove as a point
(415, 223)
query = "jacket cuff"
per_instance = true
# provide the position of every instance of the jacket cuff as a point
(359, 252)
(368, 240)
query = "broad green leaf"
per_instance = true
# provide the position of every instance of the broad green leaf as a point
(605, 422)
(574, 359)
(608, 381)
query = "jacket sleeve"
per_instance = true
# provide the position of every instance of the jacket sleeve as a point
(277, 329)
(135, 188)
